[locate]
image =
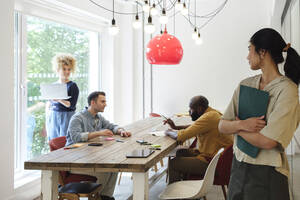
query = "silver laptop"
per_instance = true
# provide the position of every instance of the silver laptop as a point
(54, 91)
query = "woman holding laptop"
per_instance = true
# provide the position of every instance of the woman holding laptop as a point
(61, 110)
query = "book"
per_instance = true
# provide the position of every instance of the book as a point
(252, 103)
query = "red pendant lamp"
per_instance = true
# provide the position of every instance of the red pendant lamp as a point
(164, 49)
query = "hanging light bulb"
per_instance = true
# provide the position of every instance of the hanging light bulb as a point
(136, 23)
(149, 28)
(178, 6)
(199, 40)
(184, 10)
(113, 29)
(153, 10)
(195, 34)
(146, 7)
(163, 19)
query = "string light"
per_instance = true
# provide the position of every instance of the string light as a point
(163, 8)
(149, 28)
(178, 6)
(136, 23)
(113, 29)
(163, 19)
(199, 40)
(184, 10)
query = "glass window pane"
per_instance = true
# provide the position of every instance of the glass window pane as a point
(45, 39)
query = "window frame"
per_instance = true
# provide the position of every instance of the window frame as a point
(20, 135)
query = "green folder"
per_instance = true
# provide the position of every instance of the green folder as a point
(252, 103)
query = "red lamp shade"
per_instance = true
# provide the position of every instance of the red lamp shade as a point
(164, 49)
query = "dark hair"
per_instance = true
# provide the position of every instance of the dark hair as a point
(94, 96)
(198, 101)
(270, 40)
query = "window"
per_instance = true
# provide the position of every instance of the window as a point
(40, 40)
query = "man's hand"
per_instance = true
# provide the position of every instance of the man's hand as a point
(105, 132)
(253, 124)
(170, 122)
(171, 133)
(124, 133)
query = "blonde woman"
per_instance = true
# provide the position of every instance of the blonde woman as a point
(60, 111)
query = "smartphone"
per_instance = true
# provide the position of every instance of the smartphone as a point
(141, 141)
(95, 144)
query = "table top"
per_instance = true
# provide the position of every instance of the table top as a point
(111, 156)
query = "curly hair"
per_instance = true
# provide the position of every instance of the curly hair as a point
(61, 59)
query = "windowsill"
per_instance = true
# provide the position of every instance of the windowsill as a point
(25, 177)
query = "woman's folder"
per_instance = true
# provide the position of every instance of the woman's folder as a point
(252, 103)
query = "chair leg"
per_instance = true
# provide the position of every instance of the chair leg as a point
(224, 191)
(167, 175)
(120, 178)
(204, 198)
(161, 162)
(155, 168)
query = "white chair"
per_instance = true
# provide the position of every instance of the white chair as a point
(194, 189)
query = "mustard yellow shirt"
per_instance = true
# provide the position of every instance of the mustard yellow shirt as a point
(282, 120)
(205, 128)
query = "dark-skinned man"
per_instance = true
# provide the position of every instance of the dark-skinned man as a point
(205, 128)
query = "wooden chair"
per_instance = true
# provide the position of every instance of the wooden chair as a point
(74, 186)
(194, 189)
(66, 176)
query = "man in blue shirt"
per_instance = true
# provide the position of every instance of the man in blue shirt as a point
(89, 124)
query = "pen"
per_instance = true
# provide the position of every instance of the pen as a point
(65, 148)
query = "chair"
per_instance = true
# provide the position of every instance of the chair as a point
(222, 175)
(67, 177)
(193, 189)
(73, 186)
(74, 191)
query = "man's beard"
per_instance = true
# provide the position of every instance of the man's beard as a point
(195, 116)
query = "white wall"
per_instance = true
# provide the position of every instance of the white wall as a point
(215, 68)
(7, 98)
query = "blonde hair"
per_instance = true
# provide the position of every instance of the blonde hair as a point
(61, 59)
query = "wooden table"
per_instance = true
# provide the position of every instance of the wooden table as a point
(111, 157)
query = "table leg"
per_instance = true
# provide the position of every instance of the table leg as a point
(49, 185)
(140, 186)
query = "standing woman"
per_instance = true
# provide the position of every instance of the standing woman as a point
(61, 111)
(266, 176)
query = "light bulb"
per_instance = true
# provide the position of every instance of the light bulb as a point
(178, 6)
(149, 28)
(146, 7)
(136, 23)
(184, 10)
(199, 40)
(163, 19)
(195, 34)
(113, 29)
(153, 11)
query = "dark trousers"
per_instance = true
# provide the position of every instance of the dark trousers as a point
(184, 164)
(261, 182)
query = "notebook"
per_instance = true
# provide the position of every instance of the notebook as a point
(54, 91)
(252, 103)
(140, 153)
